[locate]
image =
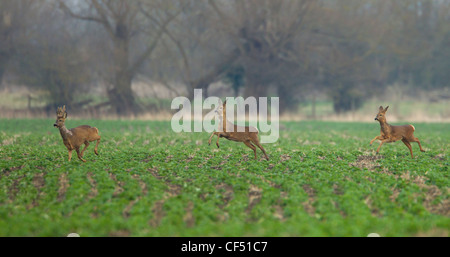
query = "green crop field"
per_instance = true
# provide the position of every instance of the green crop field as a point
(323, 179)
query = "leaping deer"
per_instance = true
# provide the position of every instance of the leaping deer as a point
(75, 137)
(390, 133)
(230, 132)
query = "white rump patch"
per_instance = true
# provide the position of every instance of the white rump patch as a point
(414, 129)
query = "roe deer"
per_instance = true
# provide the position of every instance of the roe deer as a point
(248, 136)
(75, 137)
(390, 133)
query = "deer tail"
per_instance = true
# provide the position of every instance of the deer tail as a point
(414, 129)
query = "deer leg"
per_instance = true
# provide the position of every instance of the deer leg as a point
(217, 141)
(70, 155)
(256, 142)
(79, 155)
(86, 144)
(96, 146)
(420, 146)
(409, 146)
(249, 144)
(381, 143)
(377, 137)
(209, 141)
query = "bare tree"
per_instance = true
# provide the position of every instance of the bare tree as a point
(49, 57)
(15, 20)
(200, 54)
(264, 33)
(122, 20)
(349, 49)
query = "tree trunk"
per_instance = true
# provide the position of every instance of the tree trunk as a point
(2, 71)
(254, 87)
(4, 58)
(121, 96)
(205, 90)
(313, 107)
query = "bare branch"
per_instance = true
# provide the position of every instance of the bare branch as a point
(224, 19)
(175, 41)
(102, 19)
(153, 45)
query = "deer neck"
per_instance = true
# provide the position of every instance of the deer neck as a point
(226, 125)
(385, 127)
(224, 121)
(65, 133)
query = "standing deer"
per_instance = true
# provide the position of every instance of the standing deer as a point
(248, 136)
(390, 133)
(75, 137)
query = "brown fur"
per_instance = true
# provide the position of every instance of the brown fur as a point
(390, 133)
(75, 137)
(249, 136)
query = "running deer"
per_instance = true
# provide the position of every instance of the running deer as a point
(390, 133)
(75, 137)
(248, 135)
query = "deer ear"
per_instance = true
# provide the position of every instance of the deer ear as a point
(225, 103)
(381, 108)
(385, 109)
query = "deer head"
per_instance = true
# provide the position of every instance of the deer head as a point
(61, 116)
(221, 109)
(381, 116)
